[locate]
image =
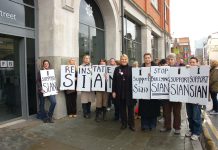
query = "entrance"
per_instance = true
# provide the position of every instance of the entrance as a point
(10, 98)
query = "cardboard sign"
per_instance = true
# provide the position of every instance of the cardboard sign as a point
(179, 84)
(98, 77)
(84, 78)
(199, 85)
(48, 82)
(67, 77)
(110, 73)
(141, 83)
(160, 82)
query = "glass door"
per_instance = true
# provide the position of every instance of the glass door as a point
(10, 89)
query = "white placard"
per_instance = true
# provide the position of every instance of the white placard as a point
(199, 85)
(4, 63)
(84, 78)
(67, 77)
(48, 82)
(179, 84)
(110, 73)
(160, 82)
(141, 83)
(98, 77)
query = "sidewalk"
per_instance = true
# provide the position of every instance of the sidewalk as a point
(83, 134)
(210, 128)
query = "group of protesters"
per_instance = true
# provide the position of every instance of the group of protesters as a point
(124, 104)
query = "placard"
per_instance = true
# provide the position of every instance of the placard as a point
(84, 78)
(98, 77)
(141, 83)
(199, 85)
(179, 84)
(67, 77)
(160, 82)
(48, 82)
(110, 73)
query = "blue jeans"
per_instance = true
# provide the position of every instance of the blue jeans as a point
(194, 118)
(42, 112)
(215, 101)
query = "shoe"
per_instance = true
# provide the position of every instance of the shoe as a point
(177, 132)
(164, 129)
(194, 137)
(108, 109)
(188, 134)
(213, 112)
(123, 127)
(45, 120)
(70, 116)
(74, 116)
(50, 120)
(132, 128)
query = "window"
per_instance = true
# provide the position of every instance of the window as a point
(155, 3)
(132, 40)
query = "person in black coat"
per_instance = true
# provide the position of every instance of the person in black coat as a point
(149, 109)
(122, 91)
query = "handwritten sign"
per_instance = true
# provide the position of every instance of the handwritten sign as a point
(48, 82)
(98, 77)
(160, 82)
(179, 84)
(67, 77)
(84, 78)
(141, 83)
(110, 73)
(199, 85)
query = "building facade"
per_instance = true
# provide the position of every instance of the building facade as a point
(34, 30)
(181, 47)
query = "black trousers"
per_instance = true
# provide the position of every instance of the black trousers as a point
(127, 113)
(71, 103)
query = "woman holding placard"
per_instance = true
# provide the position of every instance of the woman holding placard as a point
(71, 95)
(172, 107)
(86, 97)
(101, 99)
(47, 118)
(122, 91)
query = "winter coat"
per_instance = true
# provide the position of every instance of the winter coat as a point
(213, 81)
(122, 84)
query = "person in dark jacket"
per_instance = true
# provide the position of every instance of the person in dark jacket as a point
(122, 91)
(71, 95)
(149, 109)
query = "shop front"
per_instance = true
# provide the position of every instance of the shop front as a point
(17, 60)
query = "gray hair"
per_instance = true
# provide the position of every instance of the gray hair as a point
(171, 56)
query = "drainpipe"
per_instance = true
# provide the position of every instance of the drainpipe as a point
(165, 29)
(122, 26)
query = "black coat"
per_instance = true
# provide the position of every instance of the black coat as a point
(149, 108)
(122, 84)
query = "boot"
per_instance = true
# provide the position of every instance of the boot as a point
(97, 119)
(84, 107)
(104, 113)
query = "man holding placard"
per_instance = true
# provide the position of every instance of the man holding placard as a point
(46, 83)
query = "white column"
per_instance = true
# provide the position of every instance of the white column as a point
(146, 39)
(161, 48)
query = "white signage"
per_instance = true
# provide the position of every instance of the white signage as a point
(141, 83)
(199, 85)
(67, 77)
(84, 78)
(48, 82)
(160, 82)
(98, 77)
(110, 73)
(179, 84)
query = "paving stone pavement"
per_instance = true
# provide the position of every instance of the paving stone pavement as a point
(86, 134)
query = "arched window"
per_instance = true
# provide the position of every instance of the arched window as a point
(91, 31)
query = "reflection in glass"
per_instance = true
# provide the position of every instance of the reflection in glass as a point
(91, 32)
(132, 40)
(10, 98)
